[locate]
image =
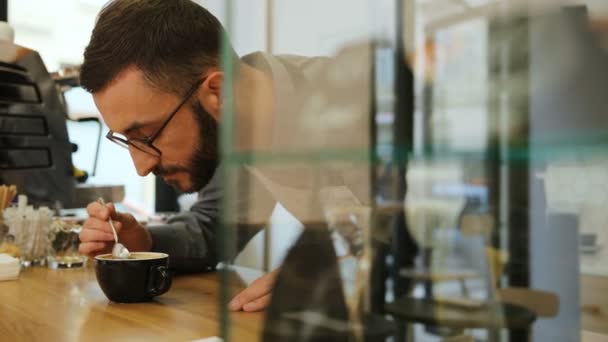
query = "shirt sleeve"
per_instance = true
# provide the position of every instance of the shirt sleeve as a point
(191, 238)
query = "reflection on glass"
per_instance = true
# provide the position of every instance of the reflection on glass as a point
(475, 224)
(350, 227)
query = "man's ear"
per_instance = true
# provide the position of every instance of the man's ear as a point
(211, 94)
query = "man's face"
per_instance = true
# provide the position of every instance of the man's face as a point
(188, 143)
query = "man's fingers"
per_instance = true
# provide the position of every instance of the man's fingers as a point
(104, 226)
(95, 235)
(125, 218)
(258, 304)
(96, 209)
(92, 249)
(257, 289)
(113, 213)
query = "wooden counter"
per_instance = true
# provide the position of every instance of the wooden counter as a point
(68, 305)
(594, 304)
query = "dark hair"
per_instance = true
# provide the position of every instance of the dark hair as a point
(171, 41)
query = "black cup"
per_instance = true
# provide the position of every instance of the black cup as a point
(140, 278)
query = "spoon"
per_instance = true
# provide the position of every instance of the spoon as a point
(119, 251)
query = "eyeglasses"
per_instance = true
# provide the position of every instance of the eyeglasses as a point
(145, 145)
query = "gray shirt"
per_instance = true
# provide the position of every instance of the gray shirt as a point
(320, 137)
(191, 238)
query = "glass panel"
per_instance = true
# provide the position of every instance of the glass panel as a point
(445, 166)
(501, 127)
(301, 138)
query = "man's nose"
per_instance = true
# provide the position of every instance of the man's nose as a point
(144, 162)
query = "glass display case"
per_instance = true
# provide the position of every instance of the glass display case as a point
(441, 163)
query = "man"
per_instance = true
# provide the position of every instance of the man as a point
(153, 67)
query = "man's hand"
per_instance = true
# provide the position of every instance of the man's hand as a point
(96, 235)
(257, 296)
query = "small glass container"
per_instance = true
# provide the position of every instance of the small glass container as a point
(64, 243)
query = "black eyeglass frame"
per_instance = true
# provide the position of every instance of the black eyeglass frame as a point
(144, 144)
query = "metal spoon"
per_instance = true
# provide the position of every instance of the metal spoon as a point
(119, 251)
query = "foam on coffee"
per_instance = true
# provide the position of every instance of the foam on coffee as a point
(134, 256)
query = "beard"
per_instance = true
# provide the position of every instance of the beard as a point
(204, 159)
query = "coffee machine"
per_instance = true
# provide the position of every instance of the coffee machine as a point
(35, 152)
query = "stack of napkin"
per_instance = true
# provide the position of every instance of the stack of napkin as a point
(9, 267)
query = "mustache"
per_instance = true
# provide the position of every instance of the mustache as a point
(168, 169)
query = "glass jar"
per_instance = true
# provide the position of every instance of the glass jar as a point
(64, 243)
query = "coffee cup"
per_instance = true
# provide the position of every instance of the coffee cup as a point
(141, 277)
